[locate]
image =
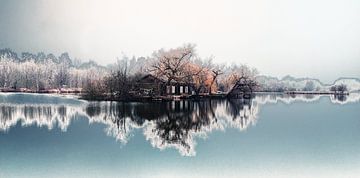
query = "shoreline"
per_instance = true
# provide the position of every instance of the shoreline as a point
(83, 96)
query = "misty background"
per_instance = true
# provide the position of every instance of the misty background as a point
(316, 38)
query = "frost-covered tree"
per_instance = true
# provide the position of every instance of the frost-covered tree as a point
(172, 64)
(237, 75)
(309, 86)
(41, 71)
(339, 89)
(8, 54)
(215, 71)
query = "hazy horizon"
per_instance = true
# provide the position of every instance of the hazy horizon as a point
(316, 39)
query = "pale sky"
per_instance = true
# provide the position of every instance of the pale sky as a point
(303, 38)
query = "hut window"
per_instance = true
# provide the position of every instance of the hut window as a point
(181, 89)
(173, 89)
(167, 89)
(186, 89)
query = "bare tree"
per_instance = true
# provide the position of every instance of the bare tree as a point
(119, 82)
(172, 64)
(309, 86)
(200, 79)
(215, 71)
(242, 79)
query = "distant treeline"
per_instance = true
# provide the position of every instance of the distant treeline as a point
(45, 71)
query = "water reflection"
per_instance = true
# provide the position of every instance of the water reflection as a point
(175, 124)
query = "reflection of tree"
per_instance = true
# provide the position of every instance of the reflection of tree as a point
(93, 109)
(182, 120)
(166, 124)
(242, 112)
(117, 113)
(114, 115)
(149, 111)
(174, 123)
(309, 96)
(40, 115)
(341, 98)
(7, 113)
(62, 110)
(235, 106)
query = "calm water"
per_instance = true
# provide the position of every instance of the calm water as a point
(267, 136)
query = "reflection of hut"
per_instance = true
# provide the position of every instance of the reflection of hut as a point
(150, 85)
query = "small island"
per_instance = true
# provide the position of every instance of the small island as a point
(172, 74)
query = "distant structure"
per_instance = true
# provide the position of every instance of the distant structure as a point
(150, 85)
